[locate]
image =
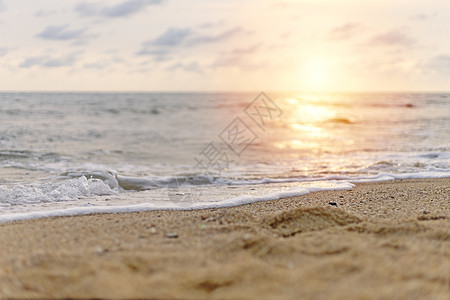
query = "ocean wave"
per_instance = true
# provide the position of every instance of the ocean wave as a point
(167, 196)
(339, 121)
(14, 155)
(123, 183)
(173, 205)
(66, 190)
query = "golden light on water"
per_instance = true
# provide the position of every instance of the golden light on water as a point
(305, 111)
(306, 117)
(298, 144)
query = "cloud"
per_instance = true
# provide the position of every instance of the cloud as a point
(282, 4)
(159, 54)
(423, 17)
(249, 50)
(227, 61)
(2, 6)
(191, 67)
(89, 9)
(45, 13)
(439, 63)
(4, 51)
(207, 39)
(102, 64)
(345, 31)
(392, 38)
(162, 46)
(177, 36)
(96, 65)
(122, 9)
(236, 61)
(50, 62)
(212, 24)
(238, 58)
(172, 37)
(60, 33)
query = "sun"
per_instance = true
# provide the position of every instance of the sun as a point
(316, 74)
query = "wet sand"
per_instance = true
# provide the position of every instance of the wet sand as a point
(388, 240)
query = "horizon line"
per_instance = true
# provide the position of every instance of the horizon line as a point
(223, 91)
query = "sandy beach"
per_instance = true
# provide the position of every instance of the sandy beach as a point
(388, 240)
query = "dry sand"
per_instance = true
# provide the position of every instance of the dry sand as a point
(387, 240)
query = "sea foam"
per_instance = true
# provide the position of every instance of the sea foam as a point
(92, 190)
(169, 205)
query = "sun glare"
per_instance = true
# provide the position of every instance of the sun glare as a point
(316, 74)
(311, 114)
(306, 117)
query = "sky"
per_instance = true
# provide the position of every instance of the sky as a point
(225, 45)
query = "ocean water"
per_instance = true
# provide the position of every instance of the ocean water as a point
(78, 153)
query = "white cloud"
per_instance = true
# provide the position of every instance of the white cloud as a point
(241, 58)
(49, 61)
(122, 9)
(172, 37)
(439, 63)
(345, 31)
(4, 51)
(193, 67)
(207, 39)
(60, 33)
(392, 38)
(159, 54)
(423, 16)
(45, 13)
(249, 50)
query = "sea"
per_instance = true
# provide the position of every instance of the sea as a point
(71, 153)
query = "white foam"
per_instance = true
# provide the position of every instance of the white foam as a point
(262, 190)
(139, 184)
(388, 177)
(444, 173)
(66, 190)
(236, 201)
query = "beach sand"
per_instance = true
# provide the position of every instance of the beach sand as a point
(388, 240)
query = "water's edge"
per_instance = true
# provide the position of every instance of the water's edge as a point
(230, 202)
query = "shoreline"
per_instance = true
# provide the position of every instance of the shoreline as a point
(379, 240)
(230, 202)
